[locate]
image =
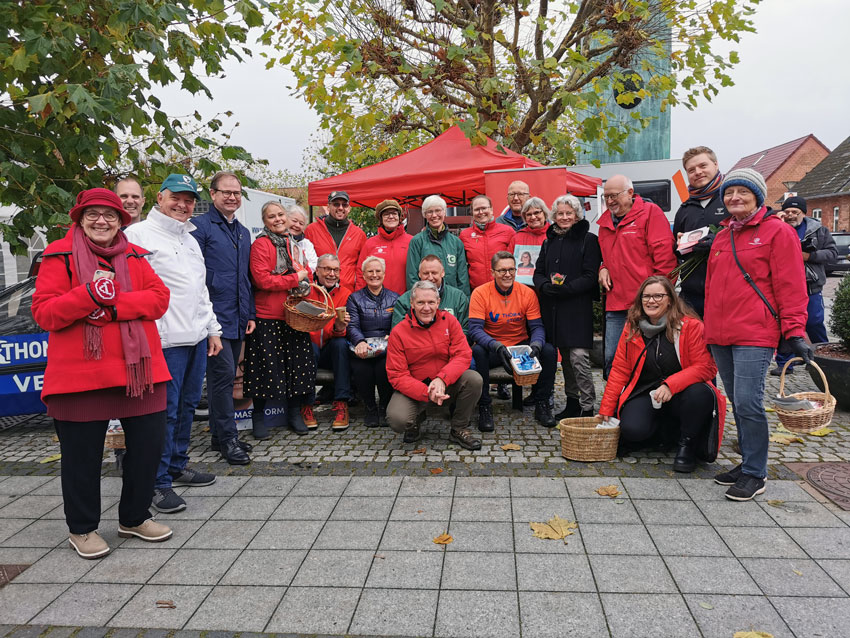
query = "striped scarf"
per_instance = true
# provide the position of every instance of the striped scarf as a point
(709, 190)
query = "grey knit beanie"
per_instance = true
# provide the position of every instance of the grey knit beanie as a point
(748, 178)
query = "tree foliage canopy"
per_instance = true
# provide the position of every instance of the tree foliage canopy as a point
(77, 94)
(385, 75)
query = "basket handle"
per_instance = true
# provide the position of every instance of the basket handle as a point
(321, 289)
(815, 366)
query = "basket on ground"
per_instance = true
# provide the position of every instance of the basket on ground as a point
(805, 421)
(307, 315)
(581, 440)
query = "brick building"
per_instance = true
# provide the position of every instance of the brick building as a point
(784, 165)
(827, 189)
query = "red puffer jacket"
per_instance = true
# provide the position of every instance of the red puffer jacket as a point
(694, 357)
(61, 302)
(769, 250)
(527, 237)
(339, 297)
(415, 353)
(270, 290)
(348, 250)
(640, 246)
(480, 246)
(392, 248)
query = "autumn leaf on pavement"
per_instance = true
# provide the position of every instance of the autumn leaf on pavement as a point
(420, 450)
(436, 470)
(166, 604)
(608, 490)
(555, 529)
(706, 605)
(822, 432)
(785, 439)
(511, 446)
(443, 539)
(752, 634)
(50, 459)
(775, 502)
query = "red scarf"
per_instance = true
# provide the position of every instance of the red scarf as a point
(137, 351)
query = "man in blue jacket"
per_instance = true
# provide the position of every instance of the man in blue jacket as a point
(226, 245)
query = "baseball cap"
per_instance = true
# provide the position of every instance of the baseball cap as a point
(177, 183)
(338, 195)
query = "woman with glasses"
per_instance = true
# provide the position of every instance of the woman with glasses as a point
(535, 215)
(99, 299)
(660, 385)
(390, 244)
(435, 239)
(483, 239)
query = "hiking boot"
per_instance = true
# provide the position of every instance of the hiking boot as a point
(372, 418)
(340, 422)
(745, 488)
(411, 434)
(485, 418)
(308, 417)
(149, 531)
(685, 460)
(543, 414)
(502, 391)
(166, 501)
(234, 453)
(465, 439)
(89, 546)
(728, 478)
(570, 411)
(193, 478)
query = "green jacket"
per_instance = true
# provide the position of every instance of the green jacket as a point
(449, 248)
(452, 301)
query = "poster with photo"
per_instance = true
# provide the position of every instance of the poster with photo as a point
(526, 259)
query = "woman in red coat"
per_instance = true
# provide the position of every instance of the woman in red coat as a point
(390, 244)
(530, 238)
(99, 299)
(661, 377)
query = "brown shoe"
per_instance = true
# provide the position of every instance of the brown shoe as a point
(340, 415)
(149, 531)
(89, 546)
(465, 439)
(309, 417)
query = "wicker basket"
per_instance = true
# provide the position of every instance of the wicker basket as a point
(523, 379)
(581, 440)
(303, 322)
(805, 421)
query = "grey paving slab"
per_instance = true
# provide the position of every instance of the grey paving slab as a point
(86, 604)
(320, 486)
(60, 565)
(427, 486)
(481, 537)
(287, 535)
(38, 536)
(198, 508)
(789, 491)
(527, 509)
(474, 570)
(373, 486)
(525, 542)
(183, 531)
(585, 487)
(265, 567)
(704, 489)
(560, 615)
(142, 611)
(647, 615)
(363, 508)
(412, 535)
(424, 508)
(801, 514)
(5, 499)
(195, 567)
(631, 574)
(334, 568)
(735, 514)
(493, 508)
(314, 610)
(604, 511)
(822, 542)
(295, 508)
(53, 487)
(489, 486)
(687, 540)
(227, 534)
(21, 485)
(814, 616)
(608, 538)
(268, 486)
(237, 608)
(244, 508)
(223, 486)
(655, 489)
(350, 535)
(669, 512)
(21, 555)
(30, 506)
(554, 573)
(391, 612)
(791, 577)
(20, 602)
(477, 614)
(538, 487)
(128, 566)
(730, 614)
(710, 575)
(760, 542)
(839, 571)
(405, 570)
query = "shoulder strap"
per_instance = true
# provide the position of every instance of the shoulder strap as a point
(749, 279)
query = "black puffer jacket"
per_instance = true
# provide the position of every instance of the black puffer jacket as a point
(818, 242)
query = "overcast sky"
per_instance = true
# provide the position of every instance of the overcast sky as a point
(792, 80)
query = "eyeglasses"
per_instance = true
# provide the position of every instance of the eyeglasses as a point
(505, 271)
(390, 213)
(534, 212)
(329, 270)
(512, 195)
(93, 216)
(656, 298)
(437, 211)
(609, 196)
(338, 205)
(228, 194)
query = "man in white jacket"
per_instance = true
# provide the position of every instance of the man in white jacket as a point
(189, 330)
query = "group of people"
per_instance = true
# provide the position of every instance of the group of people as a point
(139, 312)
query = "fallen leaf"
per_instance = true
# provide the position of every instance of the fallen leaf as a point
(785, 439)
(821, 432)
(379, 556)
(436, 470)
(55, 439)
(419, 511)
(619, 501)
(511, 446)
(608, 490)
(752, 634)
(443, 539)
(775, 502)
(554, 529)
(206, 429)
(706, 606)
(50, 459)
(769, 410)
(797, 571)
(166, 604)
(420, 450)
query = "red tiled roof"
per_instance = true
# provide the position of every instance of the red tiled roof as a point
(769, 160)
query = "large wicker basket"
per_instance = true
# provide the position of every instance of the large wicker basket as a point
(805, 421)
(304, 322)
(581, 440)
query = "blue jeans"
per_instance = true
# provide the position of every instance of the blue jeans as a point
(814, 327)
(615, 321)
(187, 365)
(743, 370)
(334, 356)
(221, 372)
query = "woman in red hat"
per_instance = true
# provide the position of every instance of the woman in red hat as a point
(99, 299)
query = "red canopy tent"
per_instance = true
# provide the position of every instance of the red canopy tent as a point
(448, 166)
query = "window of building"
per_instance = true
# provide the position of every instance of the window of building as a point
(816, 213)
(835, 215)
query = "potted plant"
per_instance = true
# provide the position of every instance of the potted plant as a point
(834, 358)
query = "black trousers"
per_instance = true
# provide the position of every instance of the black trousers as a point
(689, 412)
(366, 375)
(81, 444)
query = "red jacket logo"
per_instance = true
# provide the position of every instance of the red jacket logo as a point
(105, 288)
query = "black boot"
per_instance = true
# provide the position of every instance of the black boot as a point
(372, 418)
(685, 460)
(543, 414)
(294, 419)
(571, 410)
(233, 453)
(485, 418)
(259, 429)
